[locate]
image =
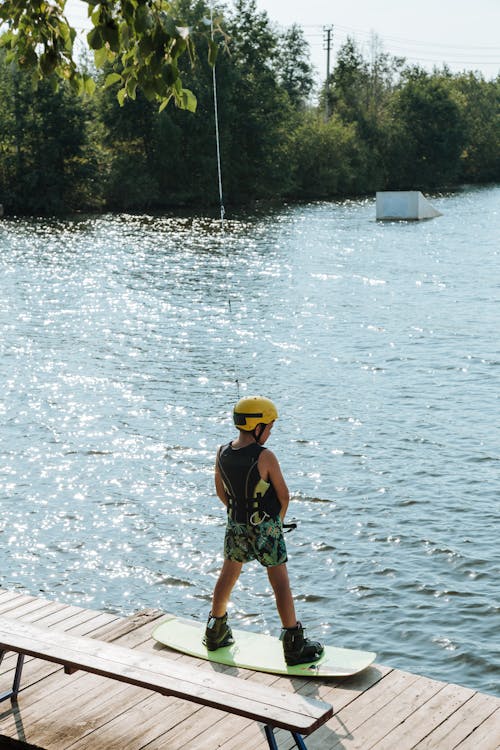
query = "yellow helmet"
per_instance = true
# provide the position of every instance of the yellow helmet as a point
(253, 410)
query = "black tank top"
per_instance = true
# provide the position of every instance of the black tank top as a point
(250, 498)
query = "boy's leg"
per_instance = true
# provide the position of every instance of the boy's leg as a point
(278, 578)
(296, 648)
(227, 578)
(218, 633)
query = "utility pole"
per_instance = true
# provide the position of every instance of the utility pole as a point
(328, 31)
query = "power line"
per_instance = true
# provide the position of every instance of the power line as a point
(328, 45)
(413, 51)
(404, 40)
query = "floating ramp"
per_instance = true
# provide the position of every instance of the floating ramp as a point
(404, 205)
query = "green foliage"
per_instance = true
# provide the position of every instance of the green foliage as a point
(389, 126)
(429, 135)
(481, 116)
(256, 116)
(294, 67)
(48, 164)
(326, 158)
(142, 39)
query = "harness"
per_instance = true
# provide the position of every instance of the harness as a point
(251, 499)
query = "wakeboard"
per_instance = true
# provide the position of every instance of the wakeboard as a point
(258, 651)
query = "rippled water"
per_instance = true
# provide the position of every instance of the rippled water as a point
(121, 340)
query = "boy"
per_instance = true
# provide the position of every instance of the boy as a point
(248, 480)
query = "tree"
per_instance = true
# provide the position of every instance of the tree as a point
(481, 154)
(163, 158)
(328, 158)
(47, 163)
(428, 135)
(256, 114)
(143, 40)
(294, 67)
(349, 83)
(359, 92)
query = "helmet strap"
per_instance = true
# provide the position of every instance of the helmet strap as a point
(254, 431)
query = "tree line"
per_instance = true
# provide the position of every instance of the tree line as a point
(378, 125)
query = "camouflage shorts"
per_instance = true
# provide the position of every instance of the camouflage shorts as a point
(265, 543)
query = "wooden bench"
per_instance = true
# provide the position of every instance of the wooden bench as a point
(273, 707)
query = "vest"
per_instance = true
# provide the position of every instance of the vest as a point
(250, 498)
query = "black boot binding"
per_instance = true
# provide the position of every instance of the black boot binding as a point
(297, 649)
(217, 633)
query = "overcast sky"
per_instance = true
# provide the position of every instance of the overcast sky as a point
(463, 33)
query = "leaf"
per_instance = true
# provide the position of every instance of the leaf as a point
(146, 46)
(169, 73)
(164, 103)
(131, 87)
(148, 90)
(178, 48)
(77, 85)
(28, 59)
(95, 16)
(48, 62)
(213, 49)
(143, 20)
(111, 36)
(100, 57)
(111, 79)
(6, 39)
(168, 24)
(121, 96)
(89, 85)
(189, 101)
(94, 38)
(124, 35)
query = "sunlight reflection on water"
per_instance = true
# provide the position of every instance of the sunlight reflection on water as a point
(122, 338)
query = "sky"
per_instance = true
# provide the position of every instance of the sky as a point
(464, 34)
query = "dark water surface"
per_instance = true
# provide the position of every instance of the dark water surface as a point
(121, 339)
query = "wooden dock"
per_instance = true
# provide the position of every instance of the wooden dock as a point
(381, 708)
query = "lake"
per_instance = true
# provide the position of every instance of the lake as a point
(126, 340)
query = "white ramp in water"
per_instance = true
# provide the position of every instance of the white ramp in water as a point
(404, 205)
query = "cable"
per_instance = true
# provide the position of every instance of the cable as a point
(236, 379)
(216, 117)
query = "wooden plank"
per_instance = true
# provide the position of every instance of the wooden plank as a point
(342, 694)
(485, 737)
(339, 691)
(85, 623)
(75, 623)
(379, 708)
(174, 723)
(166, 676)
(425, 718)
(6, 596)
(205, 721)
(251, 737)
(211, 726)
(116, 707)
(21, 603)
(133, 729)
(374, 729)
(36, 671)
(460, 726)
(86, 704)
(44, 704)
(32, 615)
(363, 707)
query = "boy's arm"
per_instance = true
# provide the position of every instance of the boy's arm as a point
(270, 470)
(219, 484)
